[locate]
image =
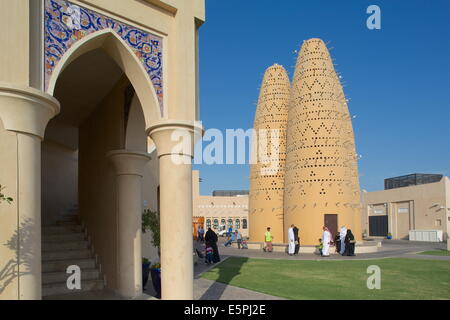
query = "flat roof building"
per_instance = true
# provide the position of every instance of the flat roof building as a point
(412, 202)
(411, 180)
(224, 209)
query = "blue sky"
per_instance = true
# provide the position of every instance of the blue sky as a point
(398, 78)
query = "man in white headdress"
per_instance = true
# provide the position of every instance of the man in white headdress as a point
(326, 239)
(342, 235)
(291, 239)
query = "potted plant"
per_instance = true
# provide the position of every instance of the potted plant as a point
(145, 271)
(150, 221)
(389, 235)
(155, 272)
(364, 235)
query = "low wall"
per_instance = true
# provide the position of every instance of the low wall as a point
(361, 247)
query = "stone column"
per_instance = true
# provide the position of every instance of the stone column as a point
(26, 111)
(174, 145)
(129, 169)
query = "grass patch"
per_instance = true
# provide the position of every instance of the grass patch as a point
(343, 279)
(442, 252)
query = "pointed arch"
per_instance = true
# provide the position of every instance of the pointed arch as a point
(125, 58)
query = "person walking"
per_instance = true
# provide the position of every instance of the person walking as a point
(268, 241)
(337, 241)
(230, 240)
(238, 239)
(349, 244)
(342, 237)
(200, 234)
(211, 240)
(297, 240)
(326, 239)
(291, 240)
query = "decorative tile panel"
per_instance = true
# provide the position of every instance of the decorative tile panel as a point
(66, 23)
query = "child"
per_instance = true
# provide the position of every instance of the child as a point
(320, 247)
(244, 244)
(208, 254)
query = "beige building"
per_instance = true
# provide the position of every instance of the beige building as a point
(91, 94)
(220, 212)
(411, 206)
(317, 184)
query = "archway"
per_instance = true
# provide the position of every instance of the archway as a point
(93, 161)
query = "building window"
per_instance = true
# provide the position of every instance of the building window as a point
(230, 223)
(244, 223)
(222, 222)
(438, 223)
(238, 224)
(208, 223)
(216, 224)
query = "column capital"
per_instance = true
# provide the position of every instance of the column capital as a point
(128, 162)
(175, 137)
(25, 109)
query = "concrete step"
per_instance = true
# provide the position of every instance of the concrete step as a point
(75, 236)
(61, 265)
(48, 230)
(61, 287)
(59, 277)
(67, 254)
(67, 223)
(65, 245)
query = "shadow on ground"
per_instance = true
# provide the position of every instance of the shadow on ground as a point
(226, 273)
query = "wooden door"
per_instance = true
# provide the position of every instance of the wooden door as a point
(331, 222)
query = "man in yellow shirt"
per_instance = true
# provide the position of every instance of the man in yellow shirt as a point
(268, 240)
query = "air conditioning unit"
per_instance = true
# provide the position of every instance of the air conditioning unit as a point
(426, 235)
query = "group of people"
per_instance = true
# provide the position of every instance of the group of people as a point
(211, 249)
(293, 238)
(344, 242)
(236, 237)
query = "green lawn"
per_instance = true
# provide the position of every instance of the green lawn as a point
(343, 279)
(436, 253)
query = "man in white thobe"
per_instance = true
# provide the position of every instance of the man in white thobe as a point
(342, 235)
(291, 239)
(326, 239)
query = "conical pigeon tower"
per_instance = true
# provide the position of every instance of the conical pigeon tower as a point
(267, 172)
(321, 182)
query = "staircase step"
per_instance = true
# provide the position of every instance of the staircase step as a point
(63, 237)
(65, 245)
(58, 277)
(61, 287)
(67, 223)
(48, 230)
(67, 254)
(61, 265)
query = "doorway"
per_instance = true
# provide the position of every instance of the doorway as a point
(331, 221)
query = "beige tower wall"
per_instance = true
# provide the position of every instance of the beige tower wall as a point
(321, 170)
(267, 188)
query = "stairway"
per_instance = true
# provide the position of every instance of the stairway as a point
(65, 244)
